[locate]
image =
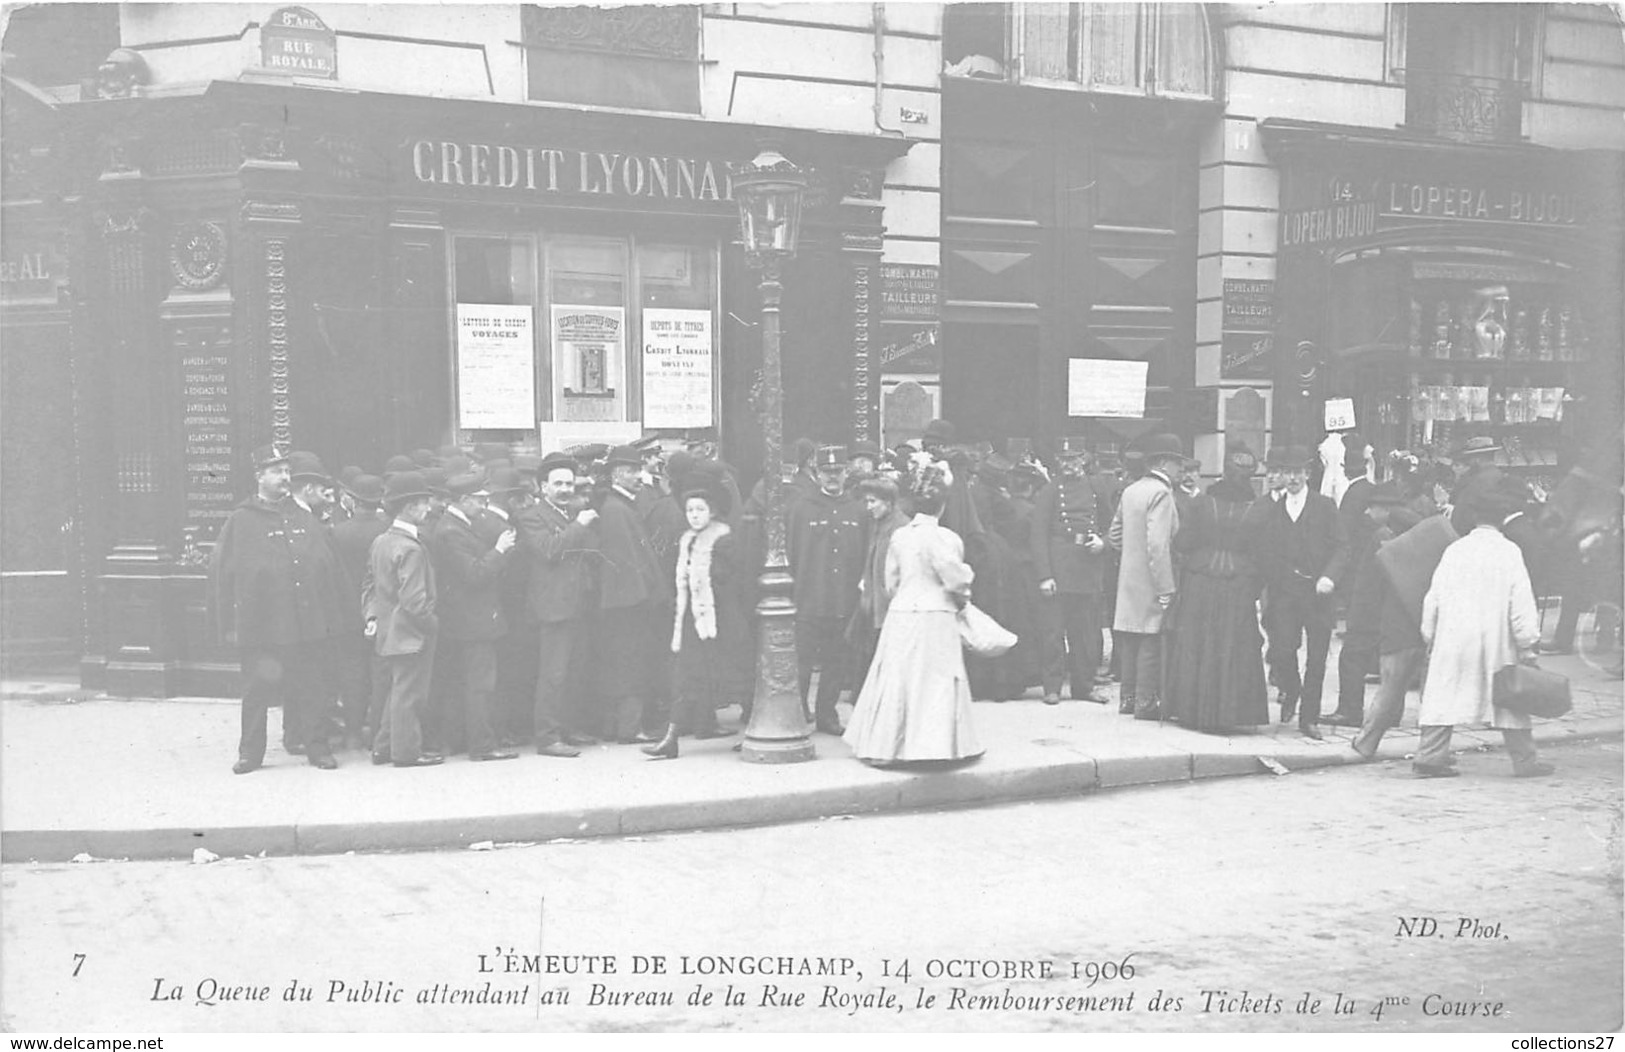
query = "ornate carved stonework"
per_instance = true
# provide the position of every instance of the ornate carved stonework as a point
(863, 184)
(862, 279)
(859, 241)
(662, 31)
(263, 142)
(276, 338)
(197, 256)
(279, 211)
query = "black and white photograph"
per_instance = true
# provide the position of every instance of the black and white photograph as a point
(904, 517)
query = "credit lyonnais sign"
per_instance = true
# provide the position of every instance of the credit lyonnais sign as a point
(1350, 211)
(550, 170)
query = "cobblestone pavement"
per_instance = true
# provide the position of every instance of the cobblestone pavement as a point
(1267, 888)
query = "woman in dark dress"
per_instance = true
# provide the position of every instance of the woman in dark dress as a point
(1216, 674)
(711, 630)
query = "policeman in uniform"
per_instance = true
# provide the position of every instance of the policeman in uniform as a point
(1069, 546)
(277, 595)
(826, 538)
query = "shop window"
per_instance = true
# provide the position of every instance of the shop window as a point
(1466, 67)
(587, 326)
(494, 321)
(643, 57)
(1143, 49)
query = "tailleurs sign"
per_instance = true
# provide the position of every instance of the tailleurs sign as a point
(295, 42)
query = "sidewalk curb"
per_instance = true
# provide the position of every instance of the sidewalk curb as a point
(1074, 776)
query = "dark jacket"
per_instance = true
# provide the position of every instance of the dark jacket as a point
(875, 599)
(469, 575)
(826, 539)
(1318, 535)
(275, 579)
(628, 572)
(400, 594)
(1065, 511)
(556, 549)
(352, 541)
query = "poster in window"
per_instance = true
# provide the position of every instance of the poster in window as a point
(1105, 387)
(589, 345)
(677, 368)
(496, 366)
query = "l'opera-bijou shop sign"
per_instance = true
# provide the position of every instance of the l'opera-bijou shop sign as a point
(552, 170)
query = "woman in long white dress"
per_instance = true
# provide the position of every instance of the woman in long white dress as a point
(916, 702)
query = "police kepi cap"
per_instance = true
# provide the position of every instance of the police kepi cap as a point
(266, 456)
(829, 458)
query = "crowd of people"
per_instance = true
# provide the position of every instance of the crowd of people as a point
(478, 601)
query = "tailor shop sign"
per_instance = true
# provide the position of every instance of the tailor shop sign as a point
(1343, 212)
(624, 178)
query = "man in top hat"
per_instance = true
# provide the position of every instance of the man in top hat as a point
(352, 541)
(400, 599)
(1305, 535)
(277, 593)
(1143, 531)
(557, 540)
(826, 540)
(1069, 558)
(632, 591)
(469, 568)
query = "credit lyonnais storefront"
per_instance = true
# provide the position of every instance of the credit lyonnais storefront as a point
(360, 275)
(1449, 291)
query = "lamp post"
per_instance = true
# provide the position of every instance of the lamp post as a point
(769, 191)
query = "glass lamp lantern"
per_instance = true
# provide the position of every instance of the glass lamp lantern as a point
(769, 191)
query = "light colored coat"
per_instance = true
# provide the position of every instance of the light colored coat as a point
(1479, 610)
(924, 563)
(1143, 530)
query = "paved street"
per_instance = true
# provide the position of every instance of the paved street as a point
(1267, 888)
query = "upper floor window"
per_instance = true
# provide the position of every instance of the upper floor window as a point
(1466, 67)
(1140, 49)
(644, 58)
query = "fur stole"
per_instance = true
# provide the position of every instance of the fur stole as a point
(694, 583)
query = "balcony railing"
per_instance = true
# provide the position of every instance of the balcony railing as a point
(1464, 108)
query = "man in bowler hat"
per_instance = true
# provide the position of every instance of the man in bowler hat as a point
(1305, 537)
(1143, 530)
(277, 595)
(400, 602)
(557, 540)
(352, 541)
(631, 592)
(470, 569)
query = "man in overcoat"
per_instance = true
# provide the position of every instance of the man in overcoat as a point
(470, 568)
(1310, 553)
(1068, 552)
(277, 593)
(400, 602)
(1143, 531)
(632, 593)
(826, 539)
(557, 539)
(352, 541)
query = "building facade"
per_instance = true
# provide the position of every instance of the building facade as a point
(364, 230)
(367, 229)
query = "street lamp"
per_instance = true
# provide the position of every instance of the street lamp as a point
(769, 191)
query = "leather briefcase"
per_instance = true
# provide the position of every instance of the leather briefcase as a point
(1532, 691)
